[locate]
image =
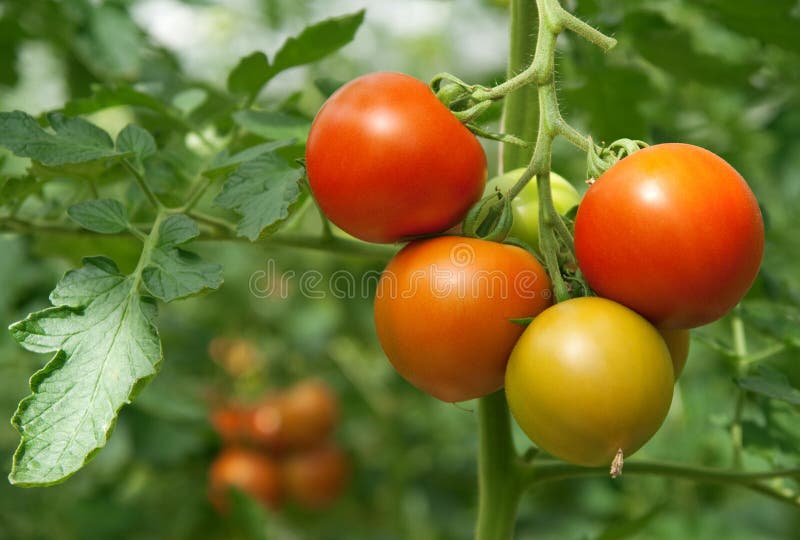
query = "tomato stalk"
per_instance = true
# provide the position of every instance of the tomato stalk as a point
(531, 96)
(740, 349)
(498, 487)
(519, 117)
(498, 478)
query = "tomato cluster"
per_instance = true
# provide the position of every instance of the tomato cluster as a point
(280, 448)
(669, 238)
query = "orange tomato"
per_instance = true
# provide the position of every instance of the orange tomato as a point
(443, 310)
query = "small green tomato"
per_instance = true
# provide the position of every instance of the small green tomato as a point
(525, 206)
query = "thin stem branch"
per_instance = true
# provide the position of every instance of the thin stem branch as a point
(197, 193)
(216, 230)
(764, 353)
(140, 181)
(740, 350)
(549, 471)
(571, 22)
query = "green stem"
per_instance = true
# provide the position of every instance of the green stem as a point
(549, 471)
(740, 350)
(498, 478)
(147, 248)
(197, 193)
(764, 353)
(140, 181)
(520, 117)
(571, 22)
(216, 230)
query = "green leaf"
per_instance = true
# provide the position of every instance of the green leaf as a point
(189, 100)
(670, 48)
(313, 43)
(224, 164)
(177, 229)
(770, 383)
(173, 273)
(105, 97)
(327, 86)
(779, 321)
(273, 125)
(137, 141)
(107, 349)
(778, 432)
(114, 43)
(776, 25)
(100, 215)
(264, 191)
(250, 74)
(75, 140)
(317, 41)
(16, 189)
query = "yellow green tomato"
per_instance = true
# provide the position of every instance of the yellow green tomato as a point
(525, 206)
(587, 378)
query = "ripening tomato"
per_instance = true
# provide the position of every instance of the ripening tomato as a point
(443, 309)
(678, 344)
(589, 377)
(231, 422)
(386, 160)
(303, 416)
(315, 478)
(525, 206)
(251, 472)
(673, 232)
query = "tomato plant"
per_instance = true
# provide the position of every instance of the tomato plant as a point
(673, 232)
(525, 206)
(587, 378)
(380, 160)
(167, 175)
(471, 289)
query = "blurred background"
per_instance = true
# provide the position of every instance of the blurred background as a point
(723, 74)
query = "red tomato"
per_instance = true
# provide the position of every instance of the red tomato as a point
(315, 478)
(442, 312)
(673, 232)
(387, 160)
(303, 416)
(251, 472)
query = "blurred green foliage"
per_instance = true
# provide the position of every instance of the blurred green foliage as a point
(723, 74)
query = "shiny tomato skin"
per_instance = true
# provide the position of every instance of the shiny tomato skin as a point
(678, 344)
(251, 472)
(443, 309)
(673, 232)
(588, 377)
(387, 160)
